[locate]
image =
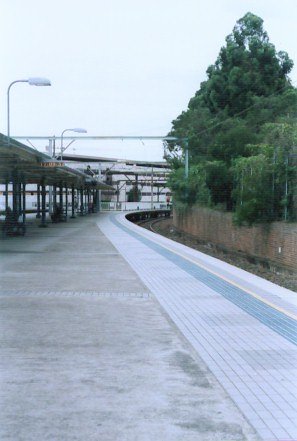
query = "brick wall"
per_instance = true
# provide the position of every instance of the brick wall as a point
(276, 242)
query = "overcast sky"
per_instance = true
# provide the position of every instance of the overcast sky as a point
(119, 67)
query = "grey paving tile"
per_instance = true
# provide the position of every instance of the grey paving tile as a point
(266, 434)
(293, 433)
(281, 434)
(251, 356)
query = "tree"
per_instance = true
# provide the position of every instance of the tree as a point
(246, 67)
(219, 181)
(253, 192)
(191, 190)
(226, 125)
(282, 138)
(134, 194)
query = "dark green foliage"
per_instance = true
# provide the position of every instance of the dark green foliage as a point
(232, 140)
(241, 130)
(134, 194)
(247, 66)
(254, 181)
(192, 190)
(219, 182)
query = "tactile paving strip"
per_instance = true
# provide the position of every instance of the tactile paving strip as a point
(74, 294)
(252, 360)
(274, 319)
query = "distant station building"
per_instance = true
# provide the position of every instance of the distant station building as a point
(28, 175)
(136, 184)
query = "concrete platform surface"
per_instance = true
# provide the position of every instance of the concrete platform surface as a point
(88, 353)
(243, 327)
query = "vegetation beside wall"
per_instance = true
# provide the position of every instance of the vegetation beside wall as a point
(274, 243)
(240, 130)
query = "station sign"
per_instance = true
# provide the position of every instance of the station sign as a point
(52, 164)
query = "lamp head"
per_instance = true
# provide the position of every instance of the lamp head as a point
(79, 130)
(39, 82)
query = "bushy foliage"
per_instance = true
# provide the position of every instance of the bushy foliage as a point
(192, 190)
(252, 192)
(241, 130)
(134, 194)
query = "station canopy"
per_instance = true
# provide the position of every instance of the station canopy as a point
(21, 163)
(96, 159)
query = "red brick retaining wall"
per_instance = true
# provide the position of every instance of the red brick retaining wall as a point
(276, 242)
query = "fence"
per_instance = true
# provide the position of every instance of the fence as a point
(132, 206)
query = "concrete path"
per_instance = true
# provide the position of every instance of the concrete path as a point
(88, 353)
(242, 326)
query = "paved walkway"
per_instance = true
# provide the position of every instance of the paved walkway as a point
(242, 326)
(88, 353)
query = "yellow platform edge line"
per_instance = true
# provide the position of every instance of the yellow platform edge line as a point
(253, 294)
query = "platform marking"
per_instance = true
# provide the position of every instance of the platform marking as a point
(257, 296)
(276, 318)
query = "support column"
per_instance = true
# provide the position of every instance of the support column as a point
(20, 199)
(50, 188)
(88, 201)
(97, 201)
(93, 200)
(61, 196)
(99, 191)
(15, 197)
(66, 201)
(50, 199)
(38, 215)
(24, 203)
(118, 192)
(43, 206)
(6, 195)
(72, 202)
(85, 202)
(81, 201)
(54, 197)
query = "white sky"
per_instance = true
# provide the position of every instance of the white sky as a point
(118, 67)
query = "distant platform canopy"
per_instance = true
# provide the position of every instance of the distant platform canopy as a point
(84, 158)
(25, 164)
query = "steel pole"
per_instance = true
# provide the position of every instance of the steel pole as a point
(50, 189)
(8, 107)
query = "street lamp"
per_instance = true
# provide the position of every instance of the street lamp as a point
(32, 82)
(77, 130)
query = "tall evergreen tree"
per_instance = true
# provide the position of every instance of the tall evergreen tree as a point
(246, 88)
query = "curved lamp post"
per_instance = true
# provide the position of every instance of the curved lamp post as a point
(35, 81)
(77, 130)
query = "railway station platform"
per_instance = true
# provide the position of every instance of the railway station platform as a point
(110, 332)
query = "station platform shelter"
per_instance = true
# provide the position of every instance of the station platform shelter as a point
(21, 166)
(111, 332)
